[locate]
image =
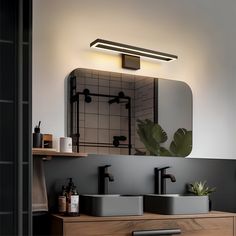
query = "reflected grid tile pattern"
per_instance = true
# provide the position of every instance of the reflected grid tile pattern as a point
(99, 121)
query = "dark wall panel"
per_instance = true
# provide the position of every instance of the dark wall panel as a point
(7, 131)
(7, 184)
(135, 175)
(7, 73)
(7, 19)
(6, 225)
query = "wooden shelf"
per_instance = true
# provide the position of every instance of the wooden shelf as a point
(47, 153)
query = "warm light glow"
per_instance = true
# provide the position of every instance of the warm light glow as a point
(132, 50)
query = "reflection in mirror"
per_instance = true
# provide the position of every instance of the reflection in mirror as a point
(116, 113)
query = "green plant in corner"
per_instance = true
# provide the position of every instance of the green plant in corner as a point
(200, 188)
(181, 146)
(152, 136)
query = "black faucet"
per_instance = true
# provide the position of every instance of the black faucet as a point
(103, 178)
(160, 179)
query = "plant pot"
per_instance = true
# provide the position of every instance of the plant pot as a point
(210, 205)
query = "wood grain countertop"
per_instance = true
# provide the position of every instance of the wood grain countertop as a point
(145, 216)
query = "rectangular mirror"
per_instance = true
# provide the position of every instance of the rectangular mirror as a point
(116, 113)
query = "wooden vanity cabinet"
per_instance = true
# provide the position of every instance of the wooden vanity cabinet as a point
(212, 224)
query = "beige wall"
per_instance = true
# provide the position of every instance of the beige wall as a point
(202, 33)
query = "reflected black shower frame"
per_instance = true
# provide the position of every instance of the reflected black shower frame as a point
(74, 98)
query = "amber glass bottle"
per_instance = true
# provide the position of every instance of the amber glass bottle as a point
(62, 201)
(72, 200)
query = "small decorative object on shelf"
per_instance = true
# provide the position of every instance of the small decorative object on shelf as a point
(66, 144)
(47, 140)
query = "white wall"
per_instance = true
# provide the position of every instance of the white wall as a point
(202, 33)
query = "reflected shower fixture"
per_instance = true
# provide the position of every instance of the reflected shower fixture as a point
(114, 100)
(117, 99)
(131, 54)
(87, 98)
(117, 139)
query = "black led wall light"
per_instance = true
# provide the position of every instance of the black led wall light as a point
(131, 54)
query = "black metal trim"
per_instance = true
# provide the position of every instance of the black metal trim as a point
(19, 101)
(156, 232)
(30, 157)
(71, 82)
(155, 100)
(109, 145)
(125, 48)
(129, 125)
(77, 123)
(99, 95)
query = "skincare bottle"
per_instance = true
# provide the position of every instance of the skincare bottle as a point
(72, 200)
(62, 201)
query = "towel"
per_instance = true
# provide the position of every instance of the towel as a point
(39, 191)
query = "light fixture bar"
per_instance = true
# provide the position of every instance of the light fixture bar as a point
(132, 50)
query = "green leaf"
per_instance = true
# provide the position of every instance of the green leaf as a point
(159, 134)
(151, 135)
(181, 146)
(165, 152)
(145, 133)
(200, 188)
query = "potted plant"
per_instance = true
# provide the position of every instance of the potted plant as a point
(201, 189)
(153, 137)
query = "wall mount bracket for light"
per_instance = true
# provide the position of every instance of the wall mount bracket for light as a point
(131, 54)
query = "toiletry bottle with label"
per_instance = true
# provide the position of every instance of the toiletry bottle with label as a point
(72, 199)
(62, 201)
(74, 202)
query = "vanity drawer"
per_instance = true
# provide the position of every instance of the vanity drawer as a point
(188, 227)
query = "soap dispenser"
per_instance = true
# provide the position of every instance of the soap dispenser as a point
(37, 137)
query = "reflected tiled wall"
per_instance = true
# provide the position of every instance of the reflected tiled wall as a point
(144, 104)
(99, 121)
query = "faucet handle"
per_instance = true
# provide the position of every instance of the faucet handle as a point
(162, 168)
(106, 166)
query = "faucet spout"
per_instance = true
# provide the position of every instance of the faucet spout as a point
(109, 176)
(160, 179)
(170, 176)
(103, 178)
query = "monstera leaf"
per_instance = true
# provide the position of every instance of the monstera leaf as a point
(165, 152)
(181, 146)
(159, 134)
(145, 133)
(152, 135)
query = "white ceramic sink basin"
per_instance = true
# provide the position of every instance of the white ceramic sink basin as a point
(172, 204)
(111, 205)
